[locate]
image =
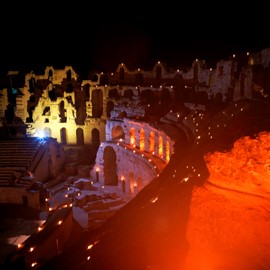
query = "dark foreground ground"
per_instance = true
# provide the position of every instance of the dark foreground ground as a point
(16, 220)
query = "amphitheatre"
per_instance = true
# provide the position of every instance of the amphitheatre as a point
(134, 169)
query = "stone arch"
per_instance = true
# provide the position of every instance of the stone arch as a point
(62, 115)
(95, 138)
(152, 142)
(118, 133)
(110, 166)
(160, 146)
(168, 151)
(63, 136)
(132, 134)
(79, 136)
(97, 103)
(142, 140)
(131, 182)
(109, 108)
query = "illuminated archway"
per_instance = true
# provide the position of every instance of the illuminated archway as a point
(118, 133)
(142, 140)
(160, 147)
(168, 152)
(132, 134)
(152, 142)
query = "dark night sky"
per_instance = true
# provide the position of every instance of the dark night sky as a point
(97, 36)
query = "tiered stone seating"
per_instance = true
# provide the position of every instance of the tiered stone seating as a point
(17, 156)
(5, 177)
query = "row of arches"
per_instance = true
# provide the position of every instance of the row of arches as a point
(65, 138)
(155, 147)
(151, 142)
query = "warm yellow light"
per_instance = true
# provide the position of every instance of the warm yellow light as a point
(33, 264)
(90, 246)
(154, 199)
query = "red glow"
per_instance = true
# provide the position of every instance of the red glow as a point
(229, 217)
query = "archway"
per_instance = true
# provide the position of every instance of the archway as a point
(152, 142)
(97, 102)
(118, 133)
(79, 136)
(160, 147)
(95, 138)
(132, 135)
(63, 136)
(168, 152)
(142, 140)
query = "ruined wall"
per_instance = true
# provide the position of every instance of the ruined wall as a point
(140, 135)
(20, 196)
(136, 170)
(3, 102)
